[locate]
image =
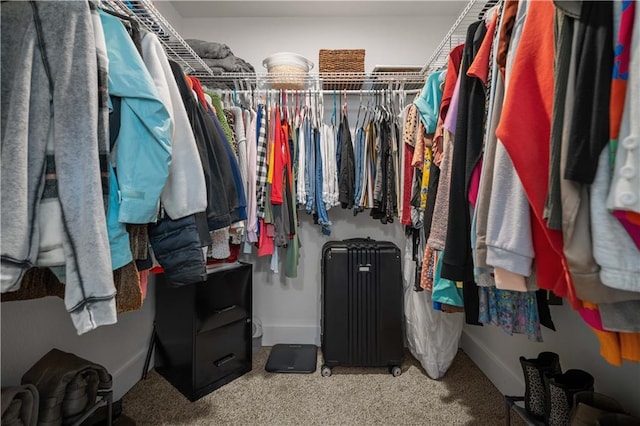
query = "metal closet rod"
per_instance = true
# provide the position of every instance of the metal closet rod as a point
(316, 91)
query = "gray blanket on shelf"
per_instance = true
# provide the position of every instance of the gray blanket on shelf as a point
(20, 406)
(228, 64)
(209, 49)
(219, 57)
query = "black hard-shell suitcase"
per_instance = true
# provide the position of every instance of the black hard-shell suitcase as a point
(362, 309)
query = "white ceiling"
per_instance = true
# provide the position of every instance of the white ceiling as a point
(314, 8)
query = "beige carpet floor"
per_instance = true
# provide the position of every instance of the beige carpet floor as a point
(351, 396)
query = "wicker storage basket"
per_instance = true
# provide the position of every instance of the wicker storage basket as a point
(343, 60)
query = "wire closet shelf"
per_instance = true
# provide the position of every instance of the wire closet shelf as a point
(350, 82)
(473, 11)
(179, 50)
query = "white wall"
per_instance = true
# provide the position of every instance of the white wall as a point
(387, 40)
(289, 308)
(498, 356)
(31, 328)
(170, 14)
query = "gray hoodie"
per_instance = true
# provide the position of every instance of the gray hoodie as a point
(508, 230)
(59, 99)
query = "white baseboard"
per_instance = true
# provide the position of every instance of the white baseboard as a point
(504, 377)
(125, 377)
(305, 334)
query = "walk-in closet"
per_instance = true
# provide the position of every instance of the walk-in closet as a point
(320, 212)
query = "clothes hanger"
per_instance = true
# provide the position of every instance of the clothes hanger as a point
(390, 102)
(117, 15)
(386, 105)
(130, 23)
(251, 96)
(376, 110)
(316, 112)
(332, 120)
(309, 107)
(382, 106)
(486, 8)
(285, 106)
(359, 109)
(244, 91)
(491, 13)
(367, 111)
(292, 106)
(402, 97)
(110, 9)
(344, 105)
(320, 108)
(298, 116)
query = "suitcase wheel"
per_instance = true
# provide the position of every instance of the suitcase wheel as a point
(325, 371)
(395, 371)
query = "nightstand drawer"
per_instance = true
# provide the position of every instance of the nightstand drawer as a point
(224, 289)
(221, 352)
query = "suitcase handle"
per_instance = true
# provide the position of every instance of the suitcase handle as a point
(361, 243)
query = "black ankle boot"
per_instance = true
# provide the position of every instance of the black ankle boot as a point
(560, 390)
(534, 370)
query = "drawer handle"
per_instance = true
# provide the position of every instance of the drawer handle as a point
(222, 361)
(228, 308)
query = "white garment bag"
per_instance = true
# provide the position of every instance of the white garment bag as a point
(432, 336)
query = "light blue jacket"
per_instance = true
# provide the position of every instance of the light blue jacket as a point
(428, 102)
(118, 235)
(142, 152)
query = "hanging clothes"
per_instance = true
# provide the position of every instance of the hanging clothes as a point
(512, 311)
(578, 246)
(457, 262)
(508, 237)
(519, 125)
(320, 207)
(623, 196)
(559, 234)
(185, 192)
(230, 167)
(218, 215)
(347, 165)
(409, 137)
(310, 165)
(143, 117)
(72, 116)
(252, 177)
(594, 54)
(384, 143)
(360, 151)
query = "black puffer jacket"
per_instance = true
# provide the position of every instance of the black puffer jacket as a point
(176, 245)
